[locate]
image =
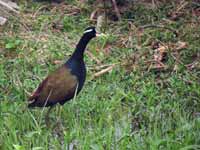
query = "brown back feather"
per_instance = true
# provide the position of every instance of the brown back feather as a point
(58, 87)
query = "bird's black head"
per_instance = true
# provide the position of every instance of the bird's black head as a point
(90, 32)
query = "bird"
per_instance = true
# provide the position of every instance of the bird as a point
(67, 80)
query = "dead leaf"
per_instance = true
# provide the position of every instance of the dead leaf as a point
(107, 49)
(160, 53)
(181, 45)
(2, 20)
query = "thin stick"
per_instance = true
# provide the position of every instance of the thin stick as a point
(103, 66)
(103, 71)
(93, 57)
(37, 11)
(116, 9)
(93, 14)
(47, 117)
(8, 7)
(182, 6)
(159, 26)
(105, 15)
(45, 105)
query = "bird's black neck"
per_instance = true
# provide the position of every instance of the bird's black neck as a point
(80, 48)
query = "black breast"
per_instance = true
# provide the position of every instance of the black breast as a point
(79, 70)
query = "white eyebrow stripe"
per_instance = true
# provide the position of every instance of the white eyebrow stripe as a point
(89, 30)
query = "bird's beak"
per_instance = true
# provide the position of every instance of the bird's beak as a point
(99, 34)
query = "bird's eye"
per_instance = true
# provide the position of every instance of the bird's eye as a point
(89, 30)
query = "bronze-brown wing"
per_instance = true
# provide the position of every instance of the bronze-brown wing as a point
(58, 87)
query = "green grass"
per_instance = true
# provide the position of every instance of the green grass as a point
(131, 107)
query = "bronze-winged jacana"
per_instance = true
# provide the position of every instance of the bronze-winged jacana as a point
(66, 81)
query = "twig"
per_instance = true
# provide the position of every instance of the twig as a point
(2, 20)
(105, 15)
(93, 57)
(187, 67)
(177, 60)
(103, 71)
(196, 4)
(159, 26)
(181, 6)
(159, 64)
(103, 66)
(37, 11)
(8, 6)
(93, 14)
(192, 65)
(154, 61)
(100, 22)
(116, 9)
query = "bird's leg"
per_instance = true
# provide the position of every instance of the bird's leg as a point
(59, 112)
(58, 127)
(47, 116)
(58, 119)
